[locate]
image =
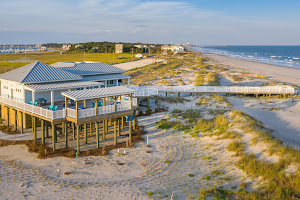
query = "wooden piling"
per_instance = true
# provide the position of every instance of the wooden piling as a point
(91, 129)
(119, 127)
(66, 135)
(16, 120)
(22, 123)
(73, 129)
(7, 117)
(77, 130)
(115, 132)
(103, 136)
(53, 136)
(43, 131)
(130, 129)
(97, 134)
(85, 133)
(34, 128)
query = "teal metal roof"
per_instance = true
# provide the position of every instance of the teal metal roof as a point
(38, 73)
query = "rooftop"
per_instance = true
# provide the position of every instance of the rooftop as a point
(38, 72)
(78, 95)
(88, 68)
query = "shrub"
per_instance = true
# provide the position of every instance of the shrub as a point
(236, 146)
(150, 193)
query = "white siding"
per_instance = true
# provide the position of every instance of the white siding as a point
(12, 89)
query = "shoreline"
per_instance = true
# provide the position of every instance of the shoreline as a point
(272, 72)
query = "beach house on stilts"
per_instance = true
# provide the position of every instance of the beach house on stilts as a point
(74, 97)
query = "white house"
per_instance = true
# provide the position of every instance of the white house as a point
(38, 80)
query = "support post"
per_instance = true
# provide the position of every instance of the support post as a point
(91, 129)
(53, 136)
(47, 129)
(97, 134)
(22, 123)
(34, 127)
(66, 134)
(43, 131)
(16, 119)
(122, 121)
(85, 133)
(103, 137)
(119, 128)
(77, 130)
(73, 129)
(115, 132)
(133, 120)
(7, 117)
(130, 129)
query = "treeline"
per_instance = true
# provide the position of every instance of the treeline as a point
(108, 47)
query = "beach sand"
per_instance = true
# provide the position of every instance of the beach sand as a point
(272, 72)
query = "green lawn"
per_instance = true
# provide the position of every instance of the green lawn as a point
(12, 61)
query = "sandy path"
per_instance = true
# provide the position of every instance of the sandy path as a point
(278, 73)
(137, 64)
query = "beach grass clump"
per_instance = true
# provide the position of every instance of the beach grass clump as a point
(212, 79)
(237, 146)
(204, 125)
(203, 101)
(191, 115)
(167, 124)
(174, 99)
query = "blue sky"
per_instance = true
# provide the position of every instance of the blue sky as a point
(216, 22)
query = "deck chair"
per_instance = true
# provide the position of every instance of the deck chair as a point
(99, 104)
(50, 107)
(35, 103)
(55, 108)
(93, 104)
(30, 102)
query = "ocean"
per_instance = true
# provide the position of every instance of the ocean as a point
(287, 56)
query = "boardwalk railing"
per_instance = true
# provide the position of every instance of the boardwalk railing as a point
(49, 114)
(83, 113)
(155, 90)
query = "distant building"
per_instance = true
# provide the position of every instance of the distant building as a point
(174, 48)
(95, 48)
(138, 55)
(43, 49)
(119, 48)
(66, 47)
(139, 46)
(78, 46)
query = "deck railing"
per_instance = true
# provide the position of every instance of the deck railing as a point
(154, 90)
(90, 112)
(49, 114)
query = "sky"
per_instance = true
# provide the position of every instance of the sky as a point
(202, 22)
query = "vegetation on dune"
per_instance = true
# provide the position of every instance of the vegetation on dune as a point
(144, 75)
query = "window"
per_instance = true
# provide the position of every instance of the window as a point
(111, 82)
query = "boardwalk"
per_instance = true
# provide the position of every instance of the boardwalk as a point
(141, 91)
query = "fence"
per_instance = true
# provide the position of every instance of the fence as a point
(49, 114)
(154, 90)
